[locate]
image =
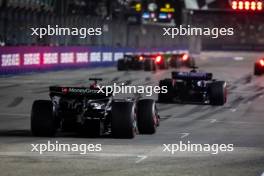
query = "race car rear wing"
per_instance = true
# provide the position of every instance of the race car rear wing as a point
(192, 76)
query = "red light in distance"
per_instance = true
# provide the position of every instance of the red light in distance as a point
(247, 5)
(240, 5)
(185, 57)
(141, 58)
(253, 5)
(158, 59)
(234, 5)
(261, 62)
(259, 6)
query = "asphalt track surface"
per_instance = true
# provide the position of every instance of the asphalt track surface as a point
(239, 122)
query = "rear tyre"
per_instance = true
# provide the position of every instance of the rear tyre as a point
(139, 66)
(190, 63)
(154, 66)
(173, 63)
(218, 93)
(164, 65)
(166, 97)
(147, 118)
(121, 65)
(257, 70)
(178, 63)
(167, 66)
(43, 123)
(149, 65)
(123, 120)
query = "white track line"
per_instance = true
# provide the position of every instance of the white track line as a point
(183, 135)
(142, 157)
(233, 110)
(238, 58)
(213, 121)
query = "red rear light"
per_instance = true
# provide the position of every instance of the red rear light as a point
(141, 58)
(259, 5)
(158, 59)
(185, 57)
(247, 4)
(64, 90)
(240, 5)
(261, 62)
(253, 5)
(234, 5)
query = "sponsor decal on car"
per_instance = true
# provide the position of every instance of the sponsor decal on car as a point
(82, 90)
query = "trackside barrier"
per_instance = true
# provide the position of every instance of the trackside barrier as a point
(17, 60)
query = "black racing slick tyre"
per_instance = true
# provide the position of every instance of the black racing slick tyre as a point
(164, 65)
(121, 66)
(166, 97)
(257, 70)
(123, 123)
(191, 63)
(147, 117)
(149, 65)
(176, 63)
(43, 122)
(218, 93)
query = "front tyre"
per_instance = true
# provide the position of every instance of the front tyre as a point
(43, 122)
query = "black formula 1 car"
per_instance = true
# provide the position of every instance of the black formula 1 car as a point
(194, 87)
(92, 113)
(181, 60)
(161, 62)
(149, 63)
(142, 62)
(259, 67)
(154, 62)
(130, 62)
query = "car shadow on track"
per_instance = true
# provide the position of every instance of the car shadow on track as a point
(15, 133)
(27, 133)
